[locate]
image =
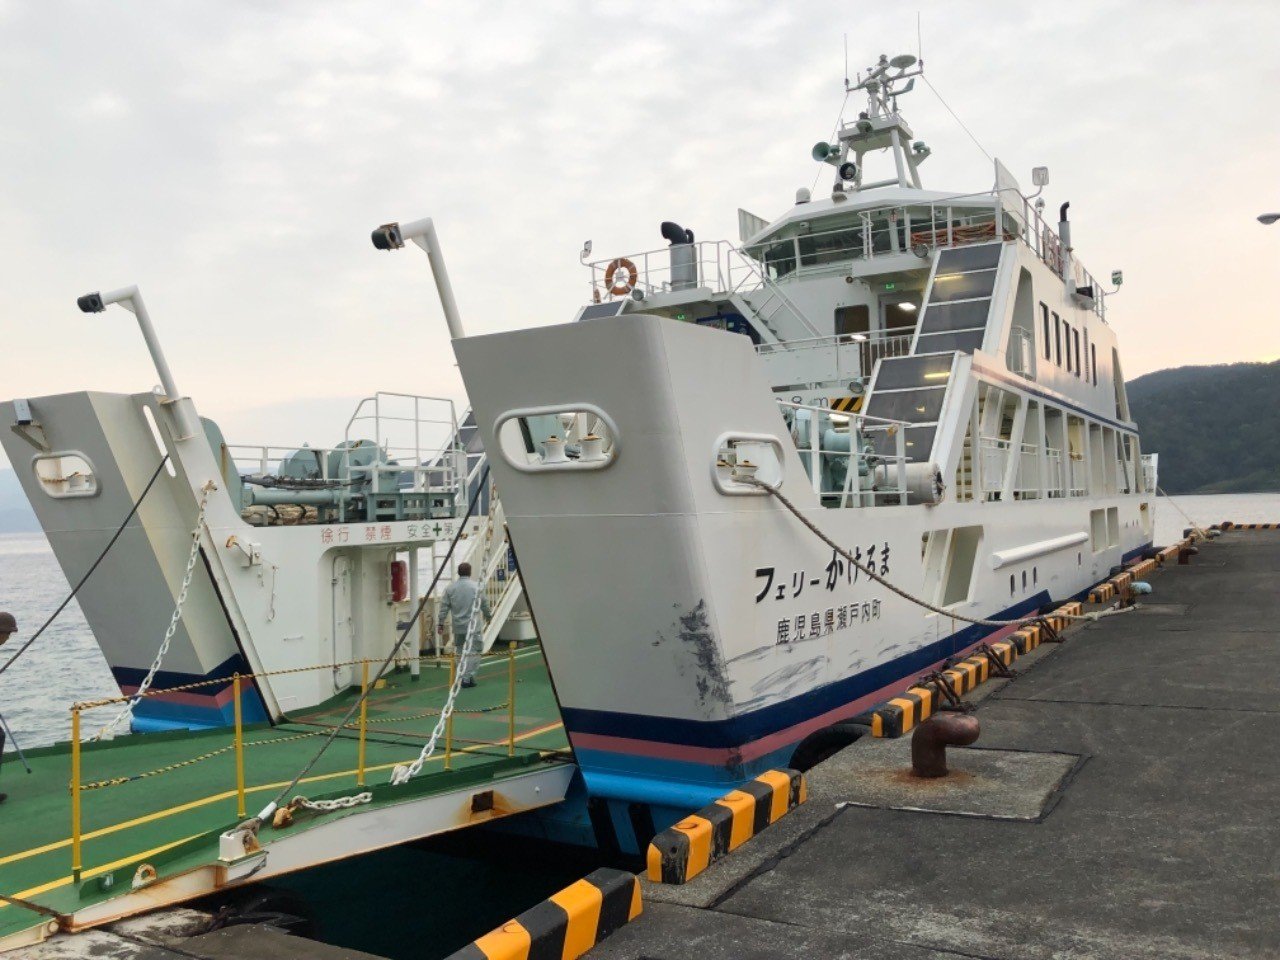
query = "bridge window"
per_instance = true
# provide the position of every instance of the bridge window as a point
(1044, 316)
(1057, 340)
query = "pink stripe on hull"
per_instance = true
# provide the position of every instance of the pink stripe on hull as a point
(720, 756)
(191, 698)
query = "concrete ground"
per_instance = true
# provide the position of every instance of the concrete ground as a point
(1121, 802)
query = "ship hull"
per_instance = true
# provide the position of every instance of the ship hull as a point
(697, 637)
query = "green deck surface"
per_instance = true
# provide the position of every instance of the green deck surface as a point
(172, 819)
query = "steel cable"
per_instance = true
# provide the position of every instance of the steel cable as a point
(94, 566)
(1021, 621)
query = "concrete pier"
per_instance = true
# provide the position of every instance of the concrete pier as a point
(1121, 802)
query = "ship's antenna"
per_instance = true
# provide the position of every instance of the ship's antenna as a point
(919, 42)
(846, 60)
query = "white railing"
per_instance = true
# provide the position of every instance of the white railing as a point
(995, 460)
(1078, 476)
(411, 453)
(428, 440)
(1149, 475)
(1055, 479)
(894, 230)
(1023, 221)
(839, 358)
(996, 454)
(1021, 354)
(1027, 482)
(715, 264)
(850, 477)
(881, 232)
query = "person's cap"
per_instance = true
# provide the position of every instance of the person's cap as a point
(7, 623)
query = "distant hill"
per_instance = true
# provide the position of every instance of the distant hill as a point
(16, 515)
(1217, 429)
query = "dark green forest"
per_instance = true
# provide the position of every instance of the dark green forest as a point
(1217, 429)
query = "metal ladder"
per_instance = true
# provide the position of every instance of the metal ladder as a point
(773, 304)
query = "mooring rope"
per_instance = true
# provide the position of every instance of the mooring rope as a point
(92, 567)
(1199, 530)
(870, 572)
(174, 619)
(179, 764)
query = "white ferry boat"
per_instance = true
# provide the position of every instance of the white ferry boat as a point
(931, 377)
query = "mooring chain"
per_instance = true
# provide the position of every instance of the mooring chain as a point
(108, 730)
(871, 573)
(406, 772)
(328, 806)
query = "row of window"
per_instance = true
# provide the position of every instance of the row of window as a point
(1061, 344)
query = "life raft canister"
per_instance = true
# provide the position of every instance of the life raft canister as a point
(623, 286)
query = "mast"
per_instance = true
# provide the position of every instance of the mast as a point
(878, 127)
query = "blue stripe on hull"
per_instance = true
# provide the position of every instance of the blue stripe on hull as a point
(157, 713)
(654, 779)
(747, 728)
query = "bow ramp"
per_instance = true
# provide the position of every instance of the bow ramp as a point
(151, 818)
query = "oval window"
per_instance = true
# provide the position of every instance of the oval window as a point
(64, 475)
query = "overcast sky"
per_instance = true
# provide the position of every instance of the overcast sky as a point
(231, 158)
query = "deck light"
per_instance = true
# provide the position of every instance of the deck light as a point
(908, 306)
(392, 236)
(131, 299)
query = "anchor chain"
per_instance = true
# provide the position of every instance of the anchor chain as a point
(328, 806)
(108, 731)
(406, 772)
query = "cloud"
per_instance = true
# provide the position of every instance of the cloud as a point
(232, 158)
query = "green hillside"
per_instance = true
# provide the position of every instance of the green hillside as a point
(1217, 429)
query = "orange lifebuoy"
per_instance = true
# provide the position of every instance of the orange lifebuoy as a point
(622, 287)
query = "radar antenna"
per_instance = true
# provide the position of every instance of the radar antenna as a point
(878, 127)
(883, 87)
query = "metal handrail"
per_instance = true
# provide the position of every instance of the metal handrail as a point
(943, 231)
(865, 424)
(77, 786)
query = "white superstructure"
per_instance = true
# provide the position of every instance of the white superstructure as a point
(929, 375)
